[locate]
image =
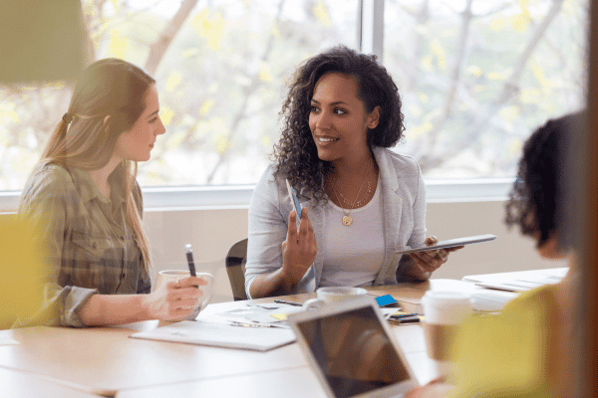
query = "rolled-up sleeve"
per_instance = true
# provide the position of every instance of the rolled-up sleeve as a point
(59, 307)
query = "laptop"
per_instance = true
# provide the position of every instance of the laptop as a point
(352, 350)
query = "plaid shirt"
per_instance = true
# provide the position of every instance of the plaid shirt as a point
(91, 248)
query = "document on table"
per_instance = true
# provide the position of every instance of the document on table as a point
(260, 327)
(518, 281)
(220, 334)
(262, 313)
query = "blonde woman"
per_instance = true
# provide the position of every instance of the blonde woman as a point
(84, 197)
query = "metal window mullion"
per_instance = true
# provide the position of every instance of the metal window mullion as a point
(370, 29)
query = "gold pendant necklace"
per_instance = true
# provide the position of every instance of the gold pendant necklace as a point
(347, 220)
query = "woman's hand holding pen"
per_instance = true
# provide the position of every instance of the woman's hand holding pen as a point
(430, 261)
(298, 254)
(174, 300)
(300, 249)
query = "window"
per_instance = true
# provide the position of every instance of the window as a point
(476, 77)
(220, 77)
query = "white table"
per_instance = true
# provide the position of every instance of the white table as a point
(105, 361)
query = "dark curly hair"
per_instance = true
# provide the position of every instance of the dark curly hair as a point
(537, 202)
(296, 153)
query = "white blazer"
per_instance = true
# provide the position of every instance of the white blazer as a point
(404, 204)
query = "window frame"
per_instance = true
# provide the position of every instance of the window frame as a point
(238, 196)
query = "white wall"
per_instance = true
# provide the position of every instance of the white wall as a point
(212, 232)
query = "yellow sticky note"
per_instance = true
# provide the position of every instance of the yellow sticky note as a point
(280, 317)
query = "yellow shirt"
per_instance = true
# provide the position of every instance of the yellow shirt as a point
(507, 354)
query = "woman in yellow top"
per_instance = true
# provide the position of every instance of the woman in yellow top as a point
(524, 351)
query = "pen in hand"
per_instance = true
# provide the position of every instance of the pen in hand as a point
(189, 254)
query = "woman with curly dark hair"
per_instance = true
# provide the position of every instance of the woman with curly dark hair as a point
(534, 204)
(342, 112)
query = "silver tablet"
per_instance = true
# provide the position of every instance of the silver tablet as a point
(351, 348)
(445, 244)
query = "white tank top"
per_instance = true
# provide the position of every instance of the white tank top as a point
(354, 254)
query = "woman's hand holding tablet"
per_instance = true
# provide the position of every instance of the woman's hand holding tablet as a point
(426, 262)
(448, 244)
(431, 254)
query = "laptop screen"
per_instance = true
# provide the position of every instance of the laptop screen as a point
(353, 351)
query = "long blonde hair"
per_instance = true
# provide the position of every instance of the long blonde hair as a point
(108, 99)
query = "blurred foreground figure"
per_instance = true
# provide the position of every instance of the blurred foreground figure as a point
(42, 40)
(22, 271)
(525, 351)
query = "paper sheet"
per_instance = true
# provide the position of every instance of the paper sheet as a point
(266, 313)
(5, 340)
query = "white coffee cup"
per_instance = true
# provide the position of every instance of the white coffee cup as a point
(327, 295)
(444, 311)
(174, 275)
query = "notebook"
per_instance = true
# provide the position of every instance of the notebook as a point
(220, 335)
(352, 350)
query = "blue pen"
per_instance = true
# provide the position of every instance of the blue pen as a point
(190, 260)
(294, 200)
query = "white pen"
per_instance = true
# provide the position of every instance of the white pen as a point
(251, 325)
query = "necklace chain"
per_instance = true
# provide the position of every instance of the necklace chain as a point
(356, 203)
(347, 220)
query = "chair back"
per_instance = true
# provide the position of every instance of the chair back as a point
(235, 268)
